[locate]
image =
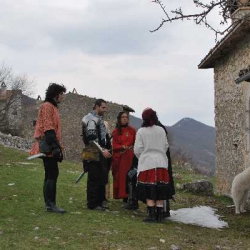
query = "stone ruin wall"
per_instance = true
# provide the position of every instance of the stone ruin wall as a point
(11, 108)
(15, 114)
(71, 110)
(231, 117)
(15, 142)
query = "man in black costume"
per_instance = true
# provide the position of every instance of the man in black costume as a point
(96, 161)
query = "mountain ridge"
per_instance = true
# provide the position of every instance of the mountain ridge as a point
(193, 139)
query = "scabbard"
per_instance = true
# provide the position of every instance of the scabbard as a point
(80, 177)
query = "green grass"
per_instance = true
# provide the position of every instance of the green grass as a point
(25, 225)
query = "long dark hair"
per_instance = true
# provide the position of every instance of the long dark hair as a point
(118, 123)
(161, 125)
(53, 92)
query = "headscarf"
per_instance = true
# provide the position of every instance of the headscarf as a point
(149, 117)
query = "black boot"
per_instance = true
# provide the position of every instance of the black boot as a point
(50, 197)
(166, 209)
(125, 200)
(56, 209)
(44, 195)
(151, 215)
(132, 204)
(159, 214)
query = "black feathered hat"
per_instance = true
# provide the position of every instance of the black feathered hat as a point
(126, 108)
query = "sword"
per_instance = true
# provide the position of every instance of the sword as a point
(80, 177)
(36, 156)
(96, 145)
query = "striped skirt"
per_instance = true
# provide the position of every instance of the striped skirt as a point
(153, 184)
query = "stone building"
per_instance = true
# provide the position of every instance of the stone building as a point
(13, 105)
(71, 110)
(10, 110)
(229, 58)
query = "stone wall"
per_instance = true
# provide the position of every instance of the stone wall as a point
(10, 111)
(15, 142)
(15, 114)
(231, 116)
(71, 110)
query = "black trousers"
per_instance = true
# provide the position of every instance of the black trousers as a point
(50, 179)
(96, 183)
(51, 168)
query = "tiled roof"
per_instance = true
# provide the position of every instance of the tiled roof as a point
(224, 46)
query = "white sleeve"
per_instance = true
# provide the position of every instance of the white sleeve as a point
(138, 147)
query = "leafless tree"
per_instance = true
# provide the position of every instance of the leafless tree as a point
(205, 8)
(16, 82)
(9, 100)
(5, 74)
(181, 158)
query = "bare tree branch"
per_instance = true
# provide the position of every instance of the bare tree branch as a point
(22, 82)
(225, 7)
(5, 73)
(16, 82)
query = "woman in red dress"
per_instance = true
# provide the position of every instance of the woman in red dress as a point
(122, 143)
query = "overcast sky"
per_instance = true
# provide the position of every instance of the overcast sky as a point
(103, 48)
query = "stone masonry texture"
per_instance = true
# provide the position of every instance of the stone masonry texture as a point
(231, 116)
(71, 111)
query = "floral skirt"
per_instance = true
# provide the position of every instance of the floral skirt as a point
(153, 184)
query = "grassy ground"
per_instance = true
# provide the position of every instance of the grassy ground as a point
(25, 225)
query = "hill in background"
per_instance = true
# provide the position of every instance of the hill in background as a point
(193, 141)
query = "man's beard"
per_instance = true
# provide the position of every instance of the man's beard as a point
(100, 113)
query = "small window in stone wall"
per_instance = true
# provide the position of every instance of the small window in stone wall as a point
(14, 112)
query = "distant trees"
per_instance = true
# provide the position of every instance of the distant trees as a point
(182, 158)
(11, 88)
(205, 7)
(15, 82)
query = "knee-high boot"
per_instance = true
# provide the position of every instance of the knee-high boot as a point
(44, 195)
(151, 215)
(159, 214)
(132, 204)
(166, 209)
(50, 197)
